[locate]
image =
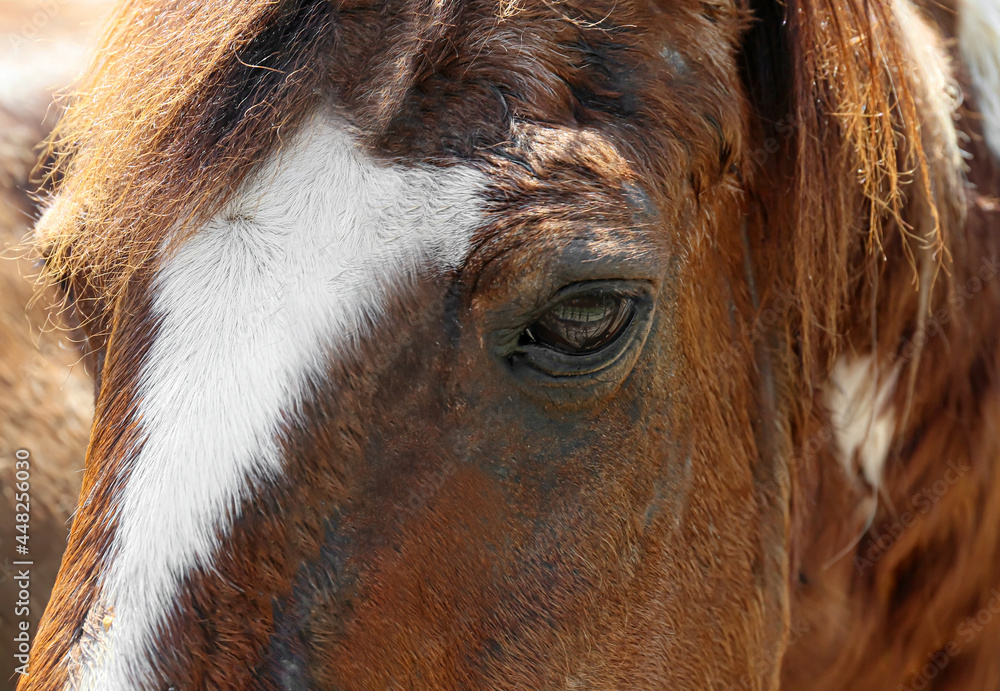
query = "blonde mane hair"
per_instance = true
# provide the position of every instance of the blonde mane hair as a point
(182, 100)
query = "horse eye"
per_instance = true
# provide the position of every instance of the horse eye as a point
(582, 324)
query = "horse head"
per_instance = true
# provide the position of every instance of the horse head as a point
(474, 344)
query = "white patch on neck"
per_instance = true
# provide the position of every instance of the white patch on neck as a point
(979, 43)
(250, 307)
(863, 419)
(674, 59)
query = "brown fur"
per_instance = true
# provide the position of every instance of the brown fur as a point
(800, 186)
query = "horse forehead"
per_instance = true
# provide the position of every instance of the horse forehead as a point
(248, 309)
(326, 188)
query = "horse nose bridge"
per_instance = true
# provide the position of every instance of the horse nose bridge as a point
(374, 479)
(380, 586)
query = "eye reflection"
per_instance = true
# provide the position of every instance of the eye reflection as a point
(582, 324)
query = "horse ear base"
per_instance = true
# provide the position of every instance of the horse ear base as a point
(766, 59)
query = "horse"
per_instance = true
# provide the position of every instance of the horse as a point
(526, 344)
(46, 397)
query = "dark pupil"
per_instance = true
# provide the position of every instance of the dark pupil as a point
(582, 324)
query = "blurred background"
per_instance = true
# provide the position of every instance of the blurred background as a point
(46, 396)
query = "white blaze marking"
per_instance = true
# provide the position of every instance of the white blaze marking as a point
(249, 308)
(979, 42)
(861, 413)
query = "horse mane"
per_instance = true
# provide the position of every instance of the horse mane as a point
(871, 153)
